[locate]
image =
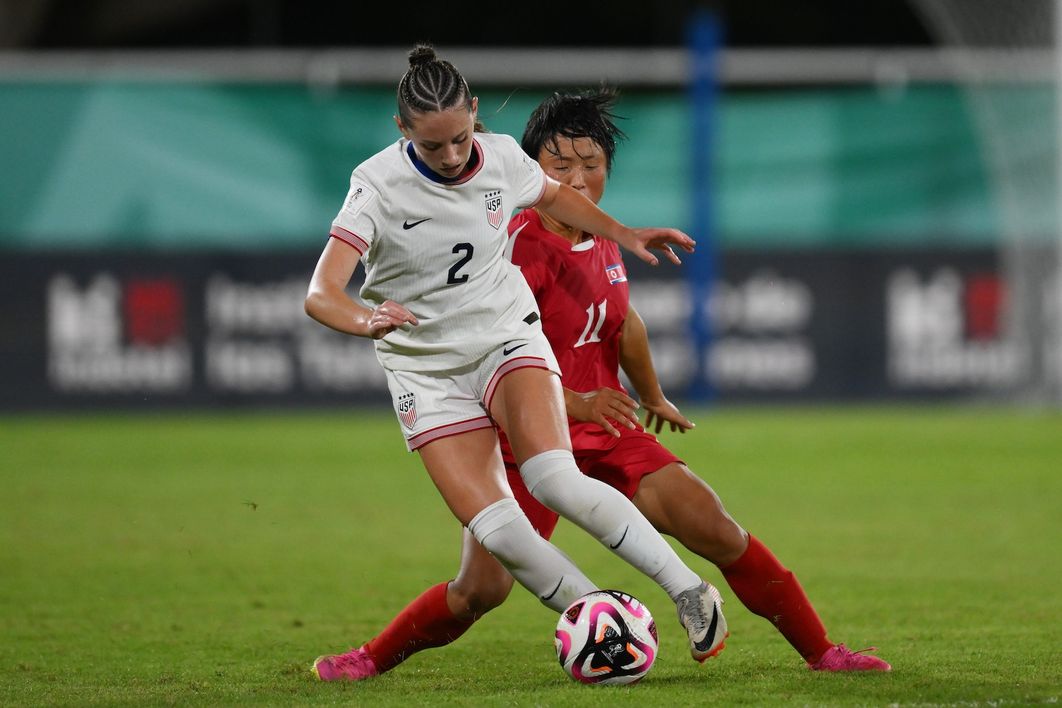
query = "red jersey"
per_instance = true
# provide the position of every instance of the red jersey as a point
(583, 297)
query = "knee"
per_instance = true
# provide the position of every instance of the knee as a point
(716, 537)
(471, 599)
(548, 473)
(730, 539)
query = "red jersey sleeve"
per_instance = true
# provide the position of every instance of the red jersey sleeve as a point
(527, 251)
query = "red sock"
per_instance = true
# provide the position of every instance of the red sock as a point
(425, 623)
(769, 590)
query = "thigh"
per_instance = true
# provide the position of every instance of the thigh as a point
(528, 404)
(522, 392)
(467, 470)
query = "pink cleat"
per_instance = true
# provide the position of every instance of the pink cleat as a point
(355, 665)
(841, 658)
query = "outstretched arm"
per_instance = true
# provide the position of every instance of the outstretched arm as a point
(328, 303)
(569, 206)
(637, 362)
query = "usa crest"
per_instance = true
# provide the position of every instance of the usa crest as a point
(493, 201)
(407, 410)
(615, 273)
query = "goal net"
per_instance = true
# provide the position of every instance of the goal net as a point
(1007, 60)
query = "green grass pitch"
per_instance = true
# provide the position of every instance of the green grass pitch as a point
(188, 559)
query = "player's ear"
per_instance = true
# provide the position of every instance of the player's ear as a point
(401, 127)
(475, 106)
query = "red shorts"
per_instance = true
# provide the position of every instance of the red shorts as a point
(636, 455)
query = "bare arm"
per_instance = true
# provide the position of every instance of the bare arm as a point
(328, 303)
(637, 362)
(568, 206)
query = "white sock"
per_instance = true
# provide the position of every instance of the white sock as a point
(537, 564)
(555, 480)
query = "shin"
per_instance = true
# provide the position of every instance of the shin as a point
(555, 480)
(503, 529)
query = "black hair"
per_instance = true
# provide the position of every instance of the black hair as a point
(583, 114)
(431, 84)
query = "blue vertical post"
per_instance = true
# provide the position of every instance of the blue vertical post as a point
(703, 43)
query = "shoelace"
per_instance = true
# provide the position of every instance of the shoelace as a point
(858, 651)
(349, 660)
(695, 615)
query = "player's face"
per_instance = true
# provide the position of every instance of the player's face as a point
(443, 139)
(577, 162)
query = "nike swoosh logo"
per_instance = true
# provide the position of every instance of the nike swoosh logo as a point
(706, 643)
(507, 352)
(554, 591)
(407, 225)
(621, 538)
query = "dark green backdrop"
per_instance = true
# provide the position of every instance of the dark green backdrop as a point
(213, 165)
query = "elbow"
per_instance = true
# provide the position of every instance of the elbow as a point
(311, 305)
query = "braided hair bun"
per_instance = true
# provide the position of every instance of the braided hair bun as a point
(422, 54)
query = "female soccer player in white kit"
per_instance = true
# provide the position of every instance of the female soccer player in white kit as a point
(457, 331)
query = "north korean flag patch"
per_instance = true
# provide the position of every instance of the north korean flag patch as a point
(615, 273)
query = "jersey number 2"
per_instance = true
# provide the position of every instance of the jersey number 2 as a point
(467, 249)
(593, 324)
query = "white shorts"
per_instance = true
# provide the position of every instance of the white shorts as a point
(437, 404)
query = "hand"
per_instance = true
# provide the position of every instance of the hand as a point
(659, 239)
(604, 407)
(388, 317)
(664, 411)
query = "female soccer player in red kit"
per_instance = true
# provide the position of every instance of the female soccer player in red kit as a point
(580, 284)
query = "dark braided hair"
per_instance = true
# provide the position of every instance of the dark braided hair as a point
(584, 114)
(430, 85)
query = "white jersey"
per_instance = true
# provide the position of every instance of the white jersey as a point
(438, 249)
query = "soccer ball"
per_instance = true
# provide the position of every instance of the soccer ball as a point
(606, 637)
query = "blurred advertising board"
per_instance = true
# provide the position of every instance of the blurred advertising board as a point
(840, 325)
(210, 328)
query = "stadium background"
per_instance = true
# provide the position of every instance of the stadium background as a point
(171, 172)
